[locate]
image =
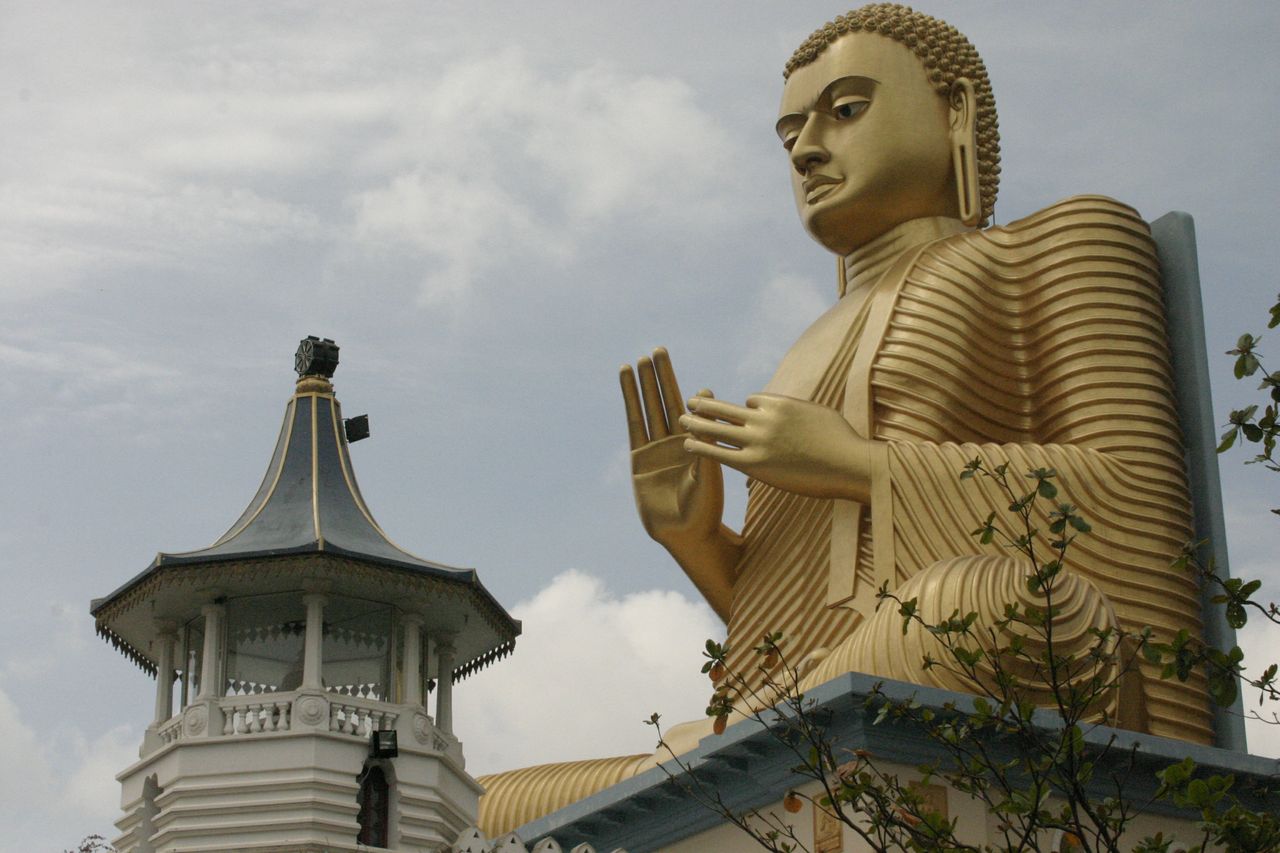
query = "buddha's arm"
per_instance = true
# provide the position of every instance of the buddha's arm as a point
(711, 565)
(679, 496)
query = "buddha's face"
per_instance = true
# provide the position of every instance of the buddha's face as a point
(869, 143)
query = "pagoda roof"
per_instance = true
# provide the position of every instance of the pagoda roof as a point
(309, 503)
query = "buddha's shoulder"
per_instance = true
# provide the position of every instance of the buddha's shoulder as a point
(1043, 251)
(1083, 218)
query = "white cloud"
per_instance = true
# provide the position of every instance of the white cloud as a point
(468, 226)
(59, 786)
(83, 382)
(618, 143)
(68, 633)
(500, 165)
(85, 224)
(202, 153)
(91, 790)
(589, 668)
(29, 780)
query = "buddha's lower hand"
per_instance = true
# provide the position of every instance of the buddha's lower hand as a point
(792, 444)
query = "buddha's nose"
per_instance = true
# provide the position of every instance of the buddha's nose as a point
(808, 153)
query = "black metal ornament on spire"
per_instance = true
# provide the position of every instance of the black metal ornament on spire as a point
(316, 357)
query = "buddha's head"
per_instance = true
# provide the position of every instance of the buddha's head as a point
(887, 116)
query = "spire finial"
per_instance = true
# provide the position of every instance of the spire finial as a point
(315, 361)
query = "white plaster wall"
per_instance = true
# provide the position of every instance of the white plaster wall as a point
(287, 790)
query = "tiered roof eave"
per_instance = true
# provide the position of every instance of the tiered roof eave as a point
(307, 525)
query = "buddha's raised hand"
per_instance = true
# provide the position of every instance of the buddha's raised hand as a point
(680, 497)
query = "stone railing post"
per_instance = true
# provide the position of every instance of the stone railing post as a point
(211, 666)
(444, 686)
(412, 659)
(166, 635)
(314, 642)
(311, 709)
(203, 717)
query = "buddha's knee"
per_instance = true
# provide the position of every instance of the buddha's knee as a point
(1005, 627)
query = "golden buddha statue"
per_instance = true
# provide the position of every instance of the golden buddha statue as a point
(1040, 344)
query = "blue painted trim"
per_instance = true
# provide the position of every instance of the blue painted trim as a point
(1175, 236)
(750, 768)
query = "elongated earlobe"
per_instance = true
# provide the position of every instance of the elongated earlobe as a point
(964, 151)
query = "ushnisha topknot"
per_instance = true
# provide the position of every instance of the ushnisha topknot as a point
(946, 55)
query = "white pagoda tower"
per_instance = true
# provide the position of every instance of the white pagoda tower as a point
(302, 648)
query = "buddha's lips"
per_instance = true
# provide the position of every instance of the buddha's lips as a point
(817, 186)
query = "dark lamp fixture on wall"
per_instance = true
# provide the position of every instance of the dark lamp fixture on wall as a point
(382, 744)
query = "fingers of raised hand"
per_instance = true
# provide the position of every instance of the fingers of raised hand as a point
(654, 418)
(654, 405)
(672, 401)
(635, 412)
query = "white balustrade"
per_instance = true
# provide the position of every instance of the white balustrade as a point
(355, 717)
(241, 715)
(171, 731)
(253, 714)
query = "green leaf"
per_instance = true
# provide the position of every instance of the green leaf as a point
(1246, 365)
(1228, 439)
(1223, 691)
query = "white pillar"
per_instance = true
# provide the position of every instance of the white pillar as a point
(166, 635)
(314, 641)
(210, 666)
(412, 659)
(444, 686)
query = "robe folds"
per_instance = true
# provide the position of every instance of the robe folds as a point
(1040, 344)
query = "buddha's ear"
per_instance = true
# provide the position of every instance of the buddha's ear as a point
(964, 150)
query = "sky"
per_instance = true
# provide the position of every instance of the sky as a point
(489, 206)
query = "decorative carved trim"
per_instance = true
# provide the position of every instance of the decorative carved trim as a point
(311, 710)
(195, 720)
(422, 728)
(390, 582)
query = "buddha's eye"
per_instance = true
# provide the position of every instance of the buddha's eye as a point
(789, 141)
(849, 109)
